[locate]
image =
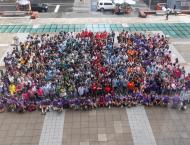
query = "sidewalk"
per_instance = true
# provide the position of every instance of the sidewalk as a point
(87, 20)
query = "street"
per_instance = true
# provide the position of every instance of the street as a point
(62, 8)
(72, 8)
(55, 6)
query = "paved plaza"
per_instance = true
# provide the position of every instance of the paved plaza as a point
(115, 126)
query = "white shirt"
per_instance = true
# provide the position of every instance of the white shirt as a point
(81, 90)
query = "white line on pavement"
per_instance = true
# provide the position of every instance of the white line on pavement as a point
(56, 8)
(140, 126)
(4, 45)
(52, 131)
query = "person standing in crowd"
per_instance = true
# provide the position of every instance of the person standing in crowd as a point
(167, 13)
(175, 12)
(92, 68)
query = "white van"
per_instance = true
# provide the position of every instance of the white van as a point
(105, 5)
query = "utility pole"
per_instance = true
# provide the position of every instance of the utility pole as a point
(149, 4)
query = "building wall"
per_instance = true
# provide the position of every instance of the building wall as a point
(180, 4)
(154, 2)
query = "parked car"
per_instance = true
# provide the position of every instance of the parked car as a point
(103, 5)
(23, 5)
(39, 7)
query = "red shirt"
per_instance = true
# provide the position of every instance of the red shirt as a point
(107, 89)
(94, 87)
(40, 92)
(131, 85)
(82, 34)
(103, 70)
(86, 34)
(97, 36)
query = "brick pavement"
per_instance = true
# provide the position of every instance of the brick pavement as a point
(97, 127)
(20, 129)
(170, 126)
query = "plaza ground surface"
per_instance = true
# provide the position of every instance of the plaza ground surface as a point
(115, 126)
(98, 127)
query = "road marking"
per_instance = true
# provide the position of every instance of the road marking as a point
(140, 126)
(56, 8)
(52, 130)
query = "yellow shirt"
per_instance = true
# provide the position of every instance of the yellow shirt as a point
(12, 89)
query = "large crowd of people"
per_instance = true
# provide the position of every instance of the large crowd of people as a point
(88, 70)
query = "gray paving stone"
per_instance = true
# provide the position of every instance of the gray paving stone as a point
(102, 137)
(84, 143)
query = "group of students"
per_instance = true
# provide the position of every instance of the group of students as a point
(89, 70)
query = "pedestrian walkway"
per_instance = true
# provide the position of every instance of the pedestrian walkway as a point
(174, 30)
(52, 130)
(140, 126)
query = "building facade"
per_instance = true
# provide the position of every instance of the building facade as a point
(154, 2)
(180, 4)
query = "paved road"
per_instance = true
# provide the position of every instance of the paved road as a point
(67, 8)
(64, 5)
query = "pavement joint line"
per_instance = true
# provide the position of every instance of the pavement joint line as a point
(52, 130)
(140, 126)
(56, 8)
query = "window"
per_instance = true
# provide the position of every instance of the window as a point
(108, 4)
(34, 5)
(101, 3)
